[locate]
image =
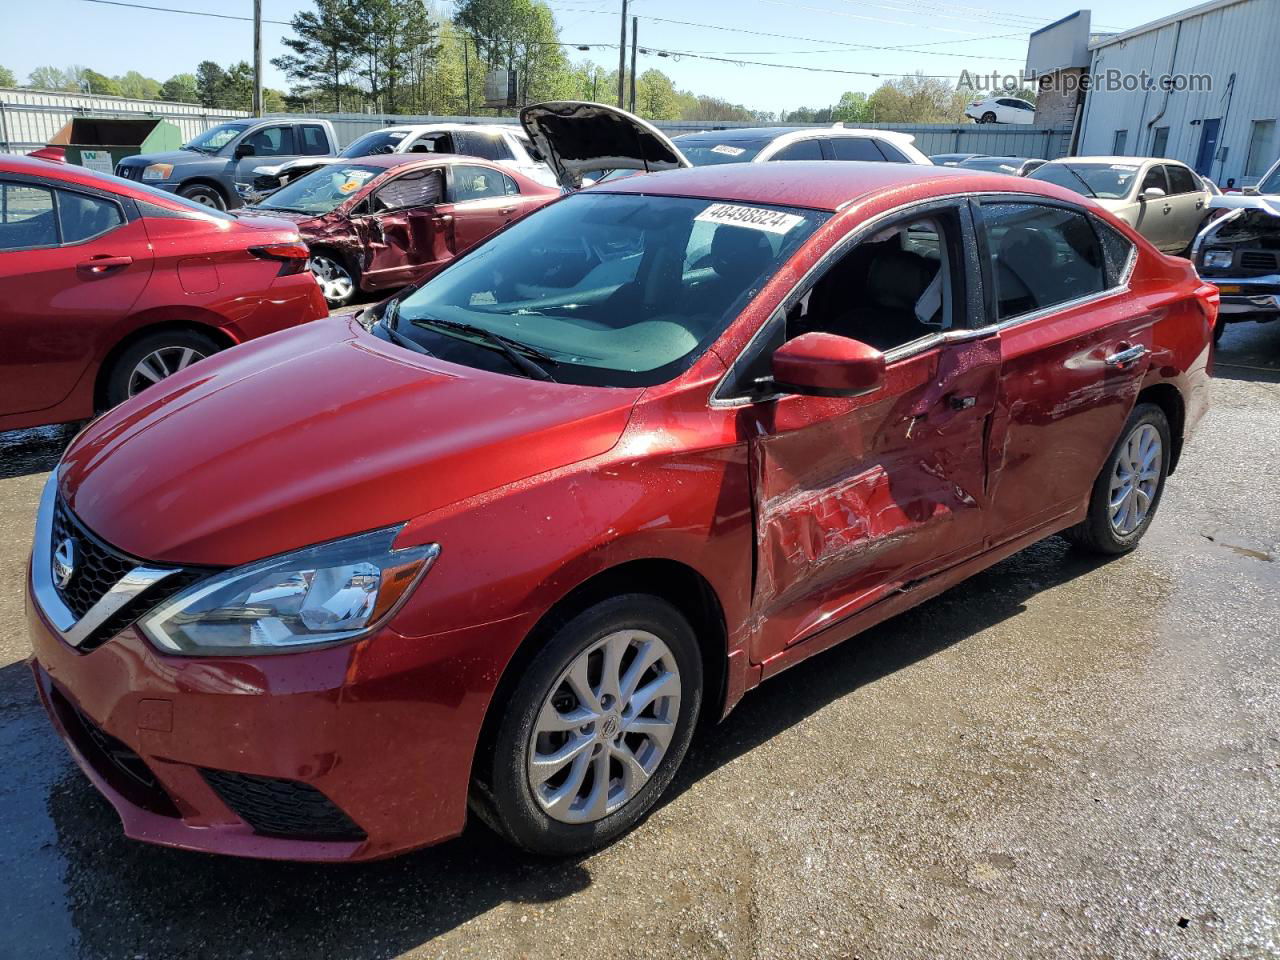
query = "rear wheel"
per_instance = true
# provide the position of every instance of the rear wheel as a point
(1127, 492)
(154, 358)
(339, 282)
(204, 195)
(595, 728)
(988, 117)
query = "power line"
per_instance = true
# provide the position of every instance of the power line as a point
(190, 13)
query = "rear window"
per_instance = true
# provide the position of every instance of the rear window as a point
(856, 148)
(26, 217)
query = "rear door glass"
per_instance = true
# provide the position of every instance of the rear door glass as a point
(27, 217)
(800, 150)
(1041, 256)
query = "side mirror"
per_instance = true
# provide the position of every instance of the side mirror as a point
(245, 150)
(1152, 193)
(825, 365)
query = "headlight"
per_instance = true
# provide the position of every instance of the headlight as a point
(157, 171)
(324, 594)
(1218, 259)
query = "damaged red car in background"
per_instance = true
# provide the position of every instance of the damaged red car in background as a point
(384, 222)
(591, 482)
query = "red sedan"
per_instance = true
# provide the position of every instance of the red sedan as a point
(637, 453)
(384, 222)
(110, 286)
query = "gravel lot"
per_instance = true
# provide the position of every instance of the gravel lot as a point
(1059, 758)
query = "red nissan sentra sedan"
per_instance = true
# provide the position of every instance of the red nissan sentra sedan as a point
(593, 481)
(108, 286)
(378, 223)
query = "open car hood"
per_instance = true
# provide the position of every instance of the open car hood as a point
(293, 169)
(577, 138)
(1267, 203)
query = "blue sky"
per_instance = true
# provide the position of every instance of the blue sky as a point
(949, 36)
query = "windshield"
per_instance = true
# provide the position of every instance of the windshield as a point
(702, 151)
(612, 289)
(215, 138)
(321, 190)
(1271, 182)
(380, 141)
(995, 165)
(1106, 181)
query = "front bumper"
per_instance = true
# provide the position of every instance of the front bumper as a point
(1248, 298)
(350, 753)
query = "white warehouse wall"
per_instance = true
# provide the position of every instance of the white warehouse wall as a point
(1220, 38)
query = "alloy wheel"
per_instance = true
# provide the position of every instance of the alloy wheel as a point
(158, 364)
(605, 727)
(334, 279)
(1135, 479)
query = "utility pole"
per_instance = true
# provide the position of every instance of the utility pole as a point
(635, 28)
(466, 73)
(622, 60)
(257, 58)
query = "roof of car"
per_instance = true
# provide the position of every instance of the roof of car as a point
(450, 127)
(1127, 161)
(773, 133)
(399, 159)
(68, 172)
(818, 184)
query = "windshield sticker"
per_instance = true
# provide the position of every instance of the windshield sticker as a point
(729, 151)
(753, 218)
(355, 180)
(1126, 167)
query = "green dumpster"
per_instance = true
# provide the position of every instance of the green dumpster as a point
(99, 143)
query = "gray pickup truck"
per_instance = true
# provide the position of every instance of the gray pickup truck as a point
(209, 168)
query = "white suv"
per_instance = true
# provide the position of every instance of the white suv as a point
(999, 109)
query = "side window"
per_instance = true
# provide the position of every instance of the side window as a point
(1040, 256)
(901, 283)
(856, 148)
(800, 150)
(272, 142)
(27, 217)
(486, 146)
(82, 217)
(510, 186)
(314, 141)
(412, 190)
(891, 153)
(433, 143)
(1181, 180)
(1154, 178)
(476, 183)
(1116, 248)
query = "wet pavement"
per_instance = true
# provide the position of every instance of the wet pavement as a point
(1060, 758)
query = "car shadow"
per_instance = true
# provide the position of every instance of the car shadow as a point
(1249, 351)
(78, 886)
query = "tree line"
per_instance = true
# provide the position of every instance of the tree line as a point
(407, 57)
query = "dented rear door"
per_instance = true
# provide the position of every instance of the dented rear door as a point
(855, 497)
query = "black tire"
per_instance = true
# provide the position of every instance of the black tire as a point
(122, 370)
(989, 117)
(205, 195)
(503, 795)
(1219, 328)
(322, 256)
(1096, 532)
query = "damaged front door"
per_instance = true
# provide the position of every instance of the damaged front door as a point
(399, 231)
(856, 497)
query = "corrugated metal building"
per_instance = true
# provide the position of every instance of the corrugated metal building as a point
(1225, 128)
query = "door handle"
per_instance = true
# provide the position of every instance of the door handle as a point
(507, 210)
(1200, 203)
(1167, 208)
(96, 266)
(1126, 355)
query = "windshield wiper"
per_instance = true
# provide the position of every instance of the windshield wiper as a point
(391, 323)
(522, 356)
(1083, 181)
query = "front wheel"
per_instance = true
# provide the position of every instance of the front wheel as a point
(204, 195)
(595, 728)
(337, 281)
(1127, 492)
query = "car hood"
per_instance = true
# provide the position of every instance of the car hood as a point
(1267, 203)
(315, 433)
(577, 138)
(172, 156)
